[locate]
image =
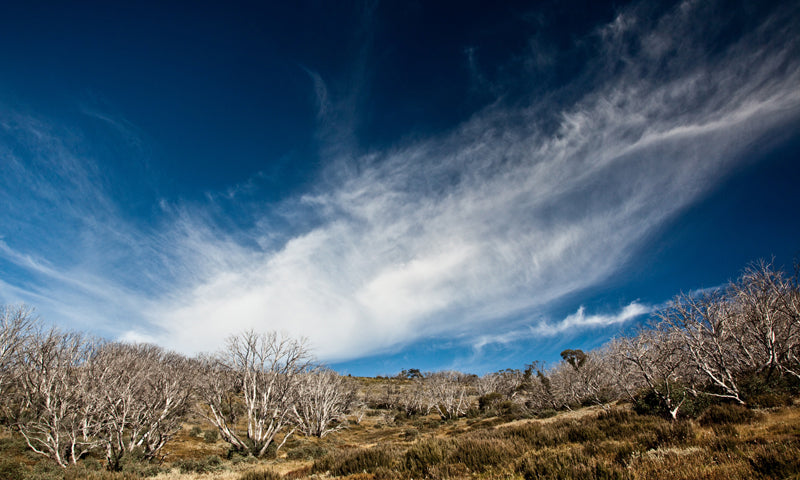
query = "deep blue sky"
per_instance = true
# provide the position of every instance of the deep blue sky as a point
(407, 184)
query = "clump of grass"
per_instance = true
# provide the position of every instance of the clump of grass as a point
(727, 414)
(776, 460)
(535, 435)
(306, 452)
(420, 457)
(208, 464)
(479, 453)
(356, 461)
(11, 470)
(210, 436)
(554, 464)
(260, 475)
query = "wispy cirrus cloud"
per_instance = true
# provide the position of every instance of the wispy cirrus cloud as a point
(451, 234)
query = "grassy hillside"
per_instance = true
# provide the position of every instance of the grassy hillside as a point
(726, 442)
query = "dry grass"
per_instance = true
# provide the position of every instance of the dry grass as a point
(585, 443)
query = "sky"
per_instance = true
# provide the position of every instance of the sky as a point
(434, 185)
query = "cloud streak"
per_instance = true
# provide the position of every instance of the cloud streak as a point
(498, 218)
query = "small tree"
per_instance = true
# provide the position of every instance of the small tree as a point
(654, 359)
(143, 394)
(16, 325)
(446, 393)
(249, 389)
(323, 398)
(55, 413)
(704, 327)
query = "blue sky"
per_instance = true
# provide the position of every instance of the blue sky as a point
(426, 185)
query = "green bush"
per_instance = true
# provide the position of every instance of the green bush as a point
(196, 431)
(489, 401)
(769, 389)
(648, 402)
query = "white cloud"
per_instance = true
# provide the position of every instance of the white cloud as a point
(579, 320)
(573, 323)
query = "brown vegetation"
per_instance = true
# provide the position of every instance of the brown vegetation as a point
(707, 390)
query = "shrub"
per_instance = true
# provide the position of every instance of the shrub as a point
(356, 461)
(769, 389)
(423, 455)
(489, 401)
(777, 460)
(306, 452)
(571, 464)
(196, 431)
(479, 453)
(727, 414)
(260, 475)
(210, 436)
(11, 470)
(535, 435)
(208, 464)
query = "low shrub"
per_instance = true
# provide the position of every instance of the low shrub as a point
(420, 457)
(210, 436)
(11, 470)
(479, 453)
(536, 435)
(208, 464)
(356, 461)
(777, 460)
(306, 452)
(571, 464)
(260, 475)
(727, 414)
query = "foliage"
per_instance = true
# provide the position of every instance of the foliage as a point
(260, 475)
(727, 414)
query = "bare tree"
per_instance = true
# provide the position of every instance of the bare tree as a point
(652, 360)
(505, 382)
(704, 326)
(254, 382)
(55, 415)
(767, 306)
(16, 325)
(143, 395)
(446, 393)
(323, 398)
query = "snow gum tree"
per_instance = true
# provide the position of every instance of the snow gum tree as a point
(249, 389)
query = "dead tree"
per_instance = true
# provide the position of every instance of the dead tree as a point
(249, 389)
(54, 413)
(323, 399)
(651, 360)
(704, 326)
(16, 326)
(143, 394)
(446, 392)
(767, 309)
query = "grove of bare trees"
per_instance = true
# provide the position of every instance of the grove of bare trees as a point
(70, 395)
